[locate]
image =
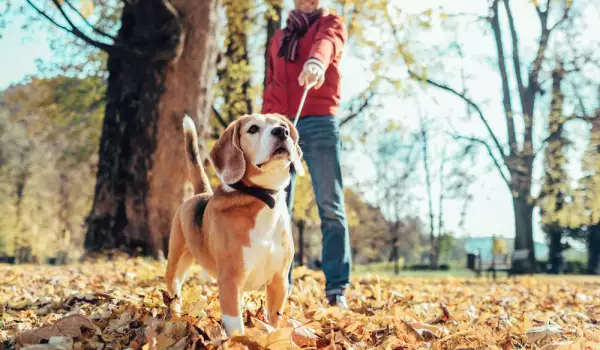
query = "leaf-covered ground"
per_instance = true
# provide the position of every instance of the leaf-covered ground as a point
(119, 305)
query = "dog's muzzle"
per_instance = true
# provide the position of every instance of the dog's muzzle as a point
(280, 133)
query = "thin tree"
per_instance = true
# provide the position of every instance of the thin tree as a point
(514, 162)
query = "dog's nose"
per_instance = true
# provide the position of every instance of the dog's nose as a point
(280, 132)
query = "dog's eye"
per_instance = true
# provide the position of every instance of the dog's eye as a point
(253, 129)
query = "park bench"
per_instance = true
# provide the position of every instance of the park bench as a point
(497, 263)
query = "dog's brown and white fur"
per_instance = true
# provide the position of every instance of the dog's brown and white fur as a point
(239, 240)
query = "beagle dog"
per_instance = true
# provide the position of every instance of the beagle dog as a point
(240, 233)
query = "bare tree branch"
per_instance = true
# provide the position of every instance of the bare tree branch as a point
(425, 153)
(579, 98)
(442, 196)
(542, 45)
(470, 103)
(465, 14)
(97, 30)
(506, 97)
(561, 126)
(564, 17)
(219, 117)
(50, 19)
(490, 152)
(74, 30)
(533, 83)
(537, 9)
(112, 49)
(361, 108)
(515, 51)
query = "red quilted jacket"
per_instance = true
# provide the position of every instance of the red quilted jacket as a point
(324, 41)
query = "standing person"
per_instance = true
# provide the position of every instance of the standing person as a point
(309, 50)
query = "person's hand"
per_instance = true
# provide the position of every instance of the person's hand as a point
(312, 72)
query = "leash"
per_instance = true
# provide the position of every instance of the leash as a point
(306, 88)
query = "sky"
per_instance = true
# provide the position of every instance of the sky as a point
(490, 212)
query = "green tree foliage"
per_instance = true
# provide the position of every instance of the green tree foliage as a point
(591, 181)
(586, 202)
(63, 110)
(556, 186)
(447, 244)
(556, 189)
(50, 138)
(235, 69)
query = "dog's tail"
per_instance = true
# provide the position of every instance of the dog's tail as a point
(198, 175)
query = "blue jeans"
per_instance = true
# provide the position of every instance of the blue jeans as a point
(321, 144)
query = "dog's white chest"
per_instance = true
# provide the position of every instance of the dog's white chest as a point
(266, 255)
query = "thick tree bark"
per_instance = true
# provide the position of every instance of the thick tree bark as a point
(140, 179)
(188, 90)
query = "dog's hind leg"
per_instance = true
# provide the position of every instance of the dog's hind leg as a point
(176, 249)
(177, 256)
(185, 262)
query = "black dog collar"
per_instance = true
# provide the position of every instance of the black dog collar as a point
(263, 194)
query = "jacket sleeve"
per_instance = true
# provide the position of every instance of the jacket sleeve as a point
(330, 40)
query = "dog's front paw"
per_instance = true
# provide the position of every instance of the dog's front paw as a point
(173, 305)
(175, 308)
(275, 319)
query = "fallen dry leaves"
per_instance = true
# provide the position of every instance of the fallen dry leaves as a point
(119, 304)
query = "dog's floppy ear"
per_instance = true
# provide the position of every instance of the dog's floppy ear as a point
(227, 157)
(297, 155)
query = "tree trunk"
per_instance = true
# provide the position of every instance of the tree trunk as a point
(394, 256)
(19, 240)
(140, 179)
(396, 260)
(555, 254)
(425, 146)
(65, 220)
(594, 249)
(523, 212)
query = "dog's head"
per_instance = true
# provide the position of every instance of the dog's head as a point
(259, 148)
